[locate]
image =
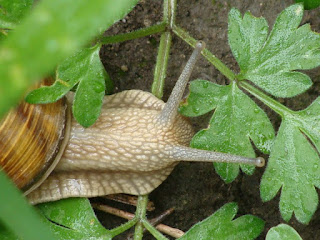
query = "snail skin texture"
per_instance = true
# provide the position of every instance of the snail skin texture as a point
(132, 148)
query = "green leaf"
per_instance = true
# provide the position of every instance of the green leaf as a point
(73, 218)
(53, 31)
(17, 217)
(12, 11)
(90, 92)
(3, 34)
(250, 32)
(294, 164)
(5, 234)
(270, 61)
(236, 121)
(282, 232)
(221, 226)
(85, 69)
(309, 4)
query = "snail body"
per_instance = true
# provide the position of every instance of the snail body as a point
(124, 151)
(132, 148)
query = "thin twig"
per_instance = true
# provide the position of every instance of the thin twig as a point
(173, 232)
(161, 217)
(114, 211)
(128, 199)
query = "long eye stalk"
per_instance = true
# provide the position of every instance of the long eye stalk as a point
(170, 111)
(181, 153)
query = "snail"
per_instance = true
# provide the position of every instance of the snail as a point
(132, 148)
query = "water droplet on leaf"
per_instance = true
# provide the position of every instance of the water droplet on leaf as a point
(196, 110)
(205, 84)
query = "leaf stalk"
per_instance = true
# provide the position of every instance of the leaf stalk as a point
(143, 32)
(140, 215)
(161, 64)
(270, 102)
(206, 53)
(123, 227)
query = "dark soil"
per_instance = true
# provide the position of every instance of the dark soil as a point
(194, 189)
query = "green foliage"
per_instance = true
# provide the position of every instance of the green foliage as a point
(12, 11)
(85, 69)
(282, 232)
(63, 26)
(73, 218)
(309, 4)
(17, 217)
(236, 121)
(294, 164)
(269, 61)
(221, 225)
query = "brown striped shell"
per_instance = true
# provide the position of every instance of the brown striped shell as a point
(31, 142)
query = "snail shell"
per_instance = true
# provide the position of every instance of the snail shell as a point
(32, 140)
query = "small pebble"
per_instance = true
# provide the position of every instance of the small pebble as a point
(124, 68)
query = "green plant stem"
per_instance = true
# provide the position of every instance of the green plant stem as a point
(161, 65)
(140, 215)
(206, 53)
(123, 227)
(169, 12)
(153, 230)
(143, 32)
(270, 102)
(166, 11)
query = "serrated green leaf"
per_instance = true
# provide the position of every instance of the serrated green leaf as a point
(236, 121)
(294, 164)
(250, 32)
(85, 69)
(90, 92)
(270, 63)
(282, 232)
(221, 226)
(73, 218)
(12, 11)
(49, 94)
